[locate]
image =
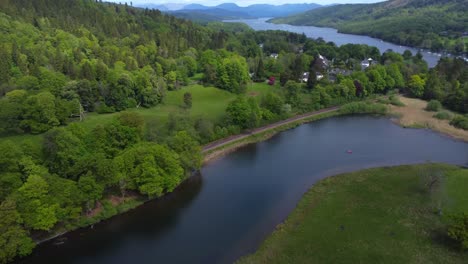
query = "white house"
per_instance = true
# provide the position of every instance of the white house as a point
(366, 63)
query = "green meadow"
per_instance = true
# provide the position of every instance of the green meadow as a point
(381, 215)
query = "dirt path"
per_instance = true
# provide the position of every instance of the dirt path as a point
(228, 140)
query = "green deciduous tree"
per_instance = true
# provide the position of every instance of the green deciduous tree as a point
(14, 240)
(187, 100)
(149, 168)
(33, 204)
(416, 86)
(189, 150)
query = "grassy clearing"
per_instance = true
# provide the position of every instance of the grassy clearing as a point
(382, 215)
(208, 102)
(414, 115)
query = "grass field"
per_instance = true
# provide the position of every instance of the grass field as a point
(382, 215)
(207, 102)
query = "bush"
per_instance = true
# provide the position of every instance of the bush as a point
(458, 229)
(104, 109)
(460, 122)
(433, 106)
(443, 115)
(394, 100)
(363, 108)
(383, 101)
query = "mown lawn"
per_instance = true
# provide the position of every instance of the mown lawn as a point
(382, 215)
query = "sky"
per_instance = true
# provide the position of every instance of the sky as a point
(245, 2)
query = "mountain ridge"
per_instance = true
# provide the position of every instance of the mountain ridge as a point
(232, 10)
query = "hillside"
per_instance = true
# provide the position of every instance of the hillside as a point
(103, 105)
(201, 13)
(431, 24)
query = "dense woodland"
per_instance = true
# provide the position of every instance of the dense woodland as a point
(60, 60)
(437, 25)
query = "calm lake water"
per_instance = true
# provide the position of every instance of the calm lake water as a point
(235, 202)
(331, 34)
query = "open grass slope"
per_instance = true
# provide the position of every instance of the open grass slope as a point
(382, 215)
(208, 102)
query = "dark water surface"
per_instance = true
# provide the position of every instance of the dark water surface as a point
(236, 201)
(331, 34)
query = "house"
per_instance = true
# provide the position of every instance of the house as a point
(319, 76)
(333, 74)
(274, 55)
(324, 61)
(366, 63)
(260, 45)
(305, 77)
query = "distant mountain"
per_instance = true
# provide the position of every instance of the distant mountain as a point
(207, 15)
(153, 6)
(196, 7)
(431, 24)
(231, 10)
(265, 10)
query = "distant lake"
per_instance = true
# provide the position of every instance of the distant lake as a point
(235, 202)
(331, 34)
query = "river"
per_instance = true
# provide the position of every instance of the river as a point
(235, 202)
(331, 34)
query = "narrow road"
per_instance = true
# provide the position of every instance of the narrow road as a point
(225, 141)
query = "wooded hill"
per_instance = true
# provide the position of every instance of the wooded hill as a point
(62, 58)
(431, 24)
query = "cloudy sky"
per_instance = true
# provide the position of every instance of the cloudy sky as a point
(245, 2)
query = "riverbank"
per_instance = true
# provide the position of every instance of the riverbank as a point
(110, 208)
(222, 147)
(211, 152)
(413, 114)
(381, 215)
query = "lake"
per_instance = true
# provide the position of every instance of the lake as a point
(236, 201)
(331, 34)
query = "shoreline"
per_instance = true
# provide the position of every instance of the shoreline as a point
(414, 115)
(443, 53)
(218, 149)
(296, 226)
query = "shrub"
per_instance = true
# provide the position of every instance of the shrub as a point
(394, 100)
(443, 115)
(383, 101)
(458, 229)
(363, 108)
(433, 106)
(460, 122)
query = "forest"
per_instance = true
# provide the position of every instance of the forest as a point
(439, 26)
(61, 61)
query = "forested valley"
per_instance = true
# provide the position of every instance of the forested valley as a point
(435, 25)
(62, 61)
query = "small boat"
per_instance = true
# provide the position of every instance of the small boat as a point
(349, 151)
